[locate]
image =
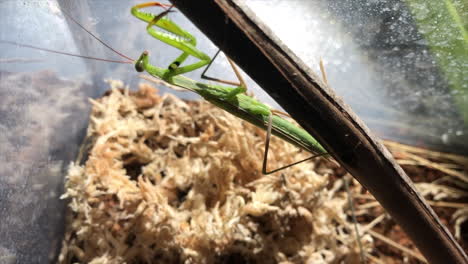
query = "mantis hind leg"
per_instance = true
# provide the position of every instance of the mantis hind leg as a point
(267, 147)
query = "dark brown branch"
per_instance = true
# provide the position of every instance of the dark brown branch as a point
(235, 29)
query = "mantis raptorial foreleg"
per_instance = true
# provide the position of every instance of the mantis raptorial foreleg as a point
(179, 39)
(183, 41)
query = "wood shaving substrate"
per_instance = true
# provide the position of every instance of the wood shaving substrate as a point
(169, 181)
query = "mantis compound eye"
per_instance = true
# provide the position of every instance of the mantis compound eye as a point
(140, 63)
(139, 66)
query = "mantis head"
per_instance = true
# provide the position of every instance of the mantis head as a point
(140, 64)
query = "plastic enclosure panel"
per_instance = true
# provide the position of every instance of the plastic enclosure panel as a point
(42, 123)
(400, 64)
(374, 56)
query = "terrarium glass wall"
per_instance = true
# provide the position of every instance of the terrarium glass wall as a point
(401, 65)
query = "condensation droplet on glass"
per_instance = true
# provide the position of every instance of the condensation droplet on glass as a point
(94, 21)
(445, 138)
(53, 8)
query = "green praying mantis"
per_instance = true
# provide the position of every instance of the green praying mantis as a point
(230, 98)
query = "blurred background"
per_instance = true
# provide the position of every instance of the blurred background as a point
(400, 64)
